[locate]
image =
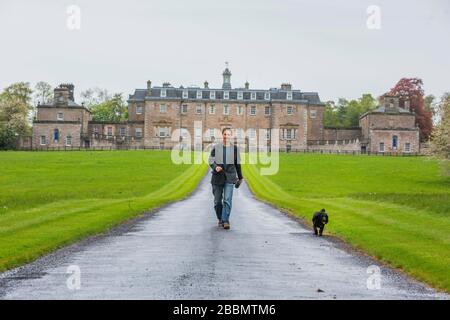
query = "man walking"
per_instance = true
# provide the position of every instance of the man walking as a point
(225, 162)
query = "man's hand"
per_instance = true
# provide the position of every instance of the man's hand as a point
(218, 169)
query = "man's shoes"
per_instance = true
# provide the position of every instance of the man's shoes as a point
(226, 225)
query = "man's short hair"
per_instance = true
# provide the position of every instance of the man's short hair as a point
(322, 210)
(225, 129)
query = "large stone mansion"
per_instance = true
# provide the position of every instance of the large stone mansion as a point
(162, 116)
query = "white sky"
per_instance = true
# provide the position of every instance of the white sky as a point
(322, 46)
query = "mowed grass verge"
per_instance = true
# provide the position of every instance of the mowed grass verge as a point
(51, 199)
(395, 209)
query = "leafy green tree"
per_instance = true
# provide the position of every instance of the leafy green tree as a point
(15, 109)
(441, 132)
(113, 110)
(347, 113)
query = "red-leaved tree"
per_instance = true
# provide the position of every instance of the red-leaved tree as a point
(411, 89)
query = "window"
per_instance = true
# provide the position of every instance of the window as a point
(163, 93)
(185, 94)
(199, 94)
(253, 95)
(138, 133)
(312, 113)
(253, 110)
(381, 147)
(225, 109)
(139, 109)
(252, 134)
(162, 132)
(226, 95)
(239, 110)
(289, 110)
(211, 132)
(60, 116)
(394, 142)
(407, 147)
(184, 108)
(122, 131)
(289, 95)
(240, 95)
(198, 132)
(212, 94)
(198, 109)
(56, 135)
(162, 108)
(95, 129)
(267, 134)
(212, 109)
(239, 133)
(109, 132)
(288, 133)
(43, 140)
(69, 140)
(267, 96)
(267, 110)
(184, 133)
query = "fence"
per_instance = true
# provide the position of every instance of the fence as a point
(284, 150)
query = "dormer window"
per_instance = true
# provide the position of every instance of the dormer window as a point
(212, 94)
(289, 95)
(139, 109)
(60, 116)
(289, 110)
(226, 95)
(253, 95)
(199, 94)
(163, 93)
(267, 96)
(240, 95)
(185, 94)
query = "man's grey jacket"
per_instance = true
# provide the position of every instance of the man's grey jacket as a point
(230, 164)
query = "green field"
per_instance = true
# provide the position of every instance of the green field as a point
(50, 199)
(397, 209)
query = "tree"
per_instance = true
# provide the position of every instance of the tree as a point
(43, 92)
(112, 110)
(15, 108)
(440, 140)
(94, 96)
(347, 113)
(412, 89)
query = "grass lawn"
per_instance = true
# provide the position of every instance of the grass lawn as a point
(395, 208)
(51, 199)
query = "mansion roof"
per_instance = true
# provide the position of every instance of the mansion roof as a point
(274, 95)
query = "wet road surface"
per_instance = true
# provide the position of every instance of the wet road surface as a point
(178, 252)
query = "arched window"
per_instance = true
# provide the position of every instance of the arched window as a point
(394, 142)
(56, 135)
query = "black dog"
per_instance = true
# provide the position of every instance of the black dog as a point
(320, 219)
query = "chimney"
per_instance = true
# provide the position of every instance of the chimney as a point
(247, 85)
(286, 86)
(149, 88)
(61, 95)
(206, 84)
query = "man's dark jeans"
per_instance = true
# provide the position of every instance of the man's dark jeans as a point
(223, 208)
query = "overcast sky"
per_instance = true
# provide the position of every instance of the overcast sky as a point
(322, 46)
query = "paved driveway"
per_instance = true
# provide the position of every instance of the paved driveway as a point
(178, 252)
